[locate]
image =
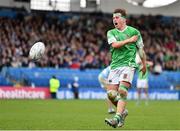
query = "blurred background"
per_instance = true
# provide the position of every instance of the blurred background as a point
(74, 33)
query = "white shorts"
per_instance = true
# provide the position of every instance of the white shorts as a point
(103, 82)
(121, 74)
(142, 83)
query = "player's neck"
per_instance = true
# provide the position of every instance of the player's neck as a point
(122, 28)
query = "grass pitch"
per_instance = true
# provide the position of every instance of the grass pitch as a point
(85, 115)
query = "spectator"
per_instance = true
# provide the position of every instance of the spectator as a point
(74, 86)
(54, 84)
(71, 41)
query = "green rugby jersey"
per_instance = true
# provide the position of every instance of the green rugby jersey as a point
(125, 55)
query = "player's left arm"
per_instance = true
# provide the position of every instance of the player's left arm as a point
(143, 59)
(141, 52)
(150, 63)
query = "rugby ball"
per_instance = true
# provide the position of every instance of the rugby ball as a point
(37, 51)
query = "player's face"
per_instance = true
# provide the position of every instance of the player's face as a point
(118, 21)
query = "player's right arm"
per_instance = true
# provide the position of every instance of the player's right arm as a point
(118, 44)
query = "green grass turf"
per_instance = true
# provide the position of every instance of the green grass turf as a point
(85, 115)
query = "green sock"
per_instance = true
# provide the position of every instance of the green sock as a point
(117, 117)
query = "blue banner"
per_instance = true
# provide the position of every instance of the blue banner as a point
(98, 93)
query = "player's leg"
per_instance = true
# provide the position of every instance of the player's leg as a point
(123, 91)
(112, 93)
(145, 90)
(121, 106)
(109, 101)
(139, 90)
(124, 115)
(110, 107)
(125, 84)
(104, 85)
(112, 86)
(118, 120)
(146, 95)
(138, 95)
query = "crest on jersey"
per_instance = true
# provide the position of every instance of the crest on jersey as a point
(125, 76)
(126, 36)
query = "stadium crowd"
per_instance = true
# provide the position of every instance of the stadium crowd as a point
(79, 40)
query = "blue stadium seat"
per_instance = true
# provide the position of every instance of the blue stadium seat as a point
(4, 81)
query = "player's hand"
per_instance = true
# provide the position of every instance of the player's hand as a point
(133, 39)
(143, 69)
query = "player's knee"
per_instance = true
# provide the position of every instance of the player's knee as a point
(123, 91)
(112, 95)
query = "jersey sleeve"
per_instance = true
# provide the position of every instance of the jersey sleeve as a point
(139, 42)
(110, 37)
(148, 65)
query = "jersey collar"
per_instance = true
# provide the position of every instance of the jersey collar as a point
(123, 29)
